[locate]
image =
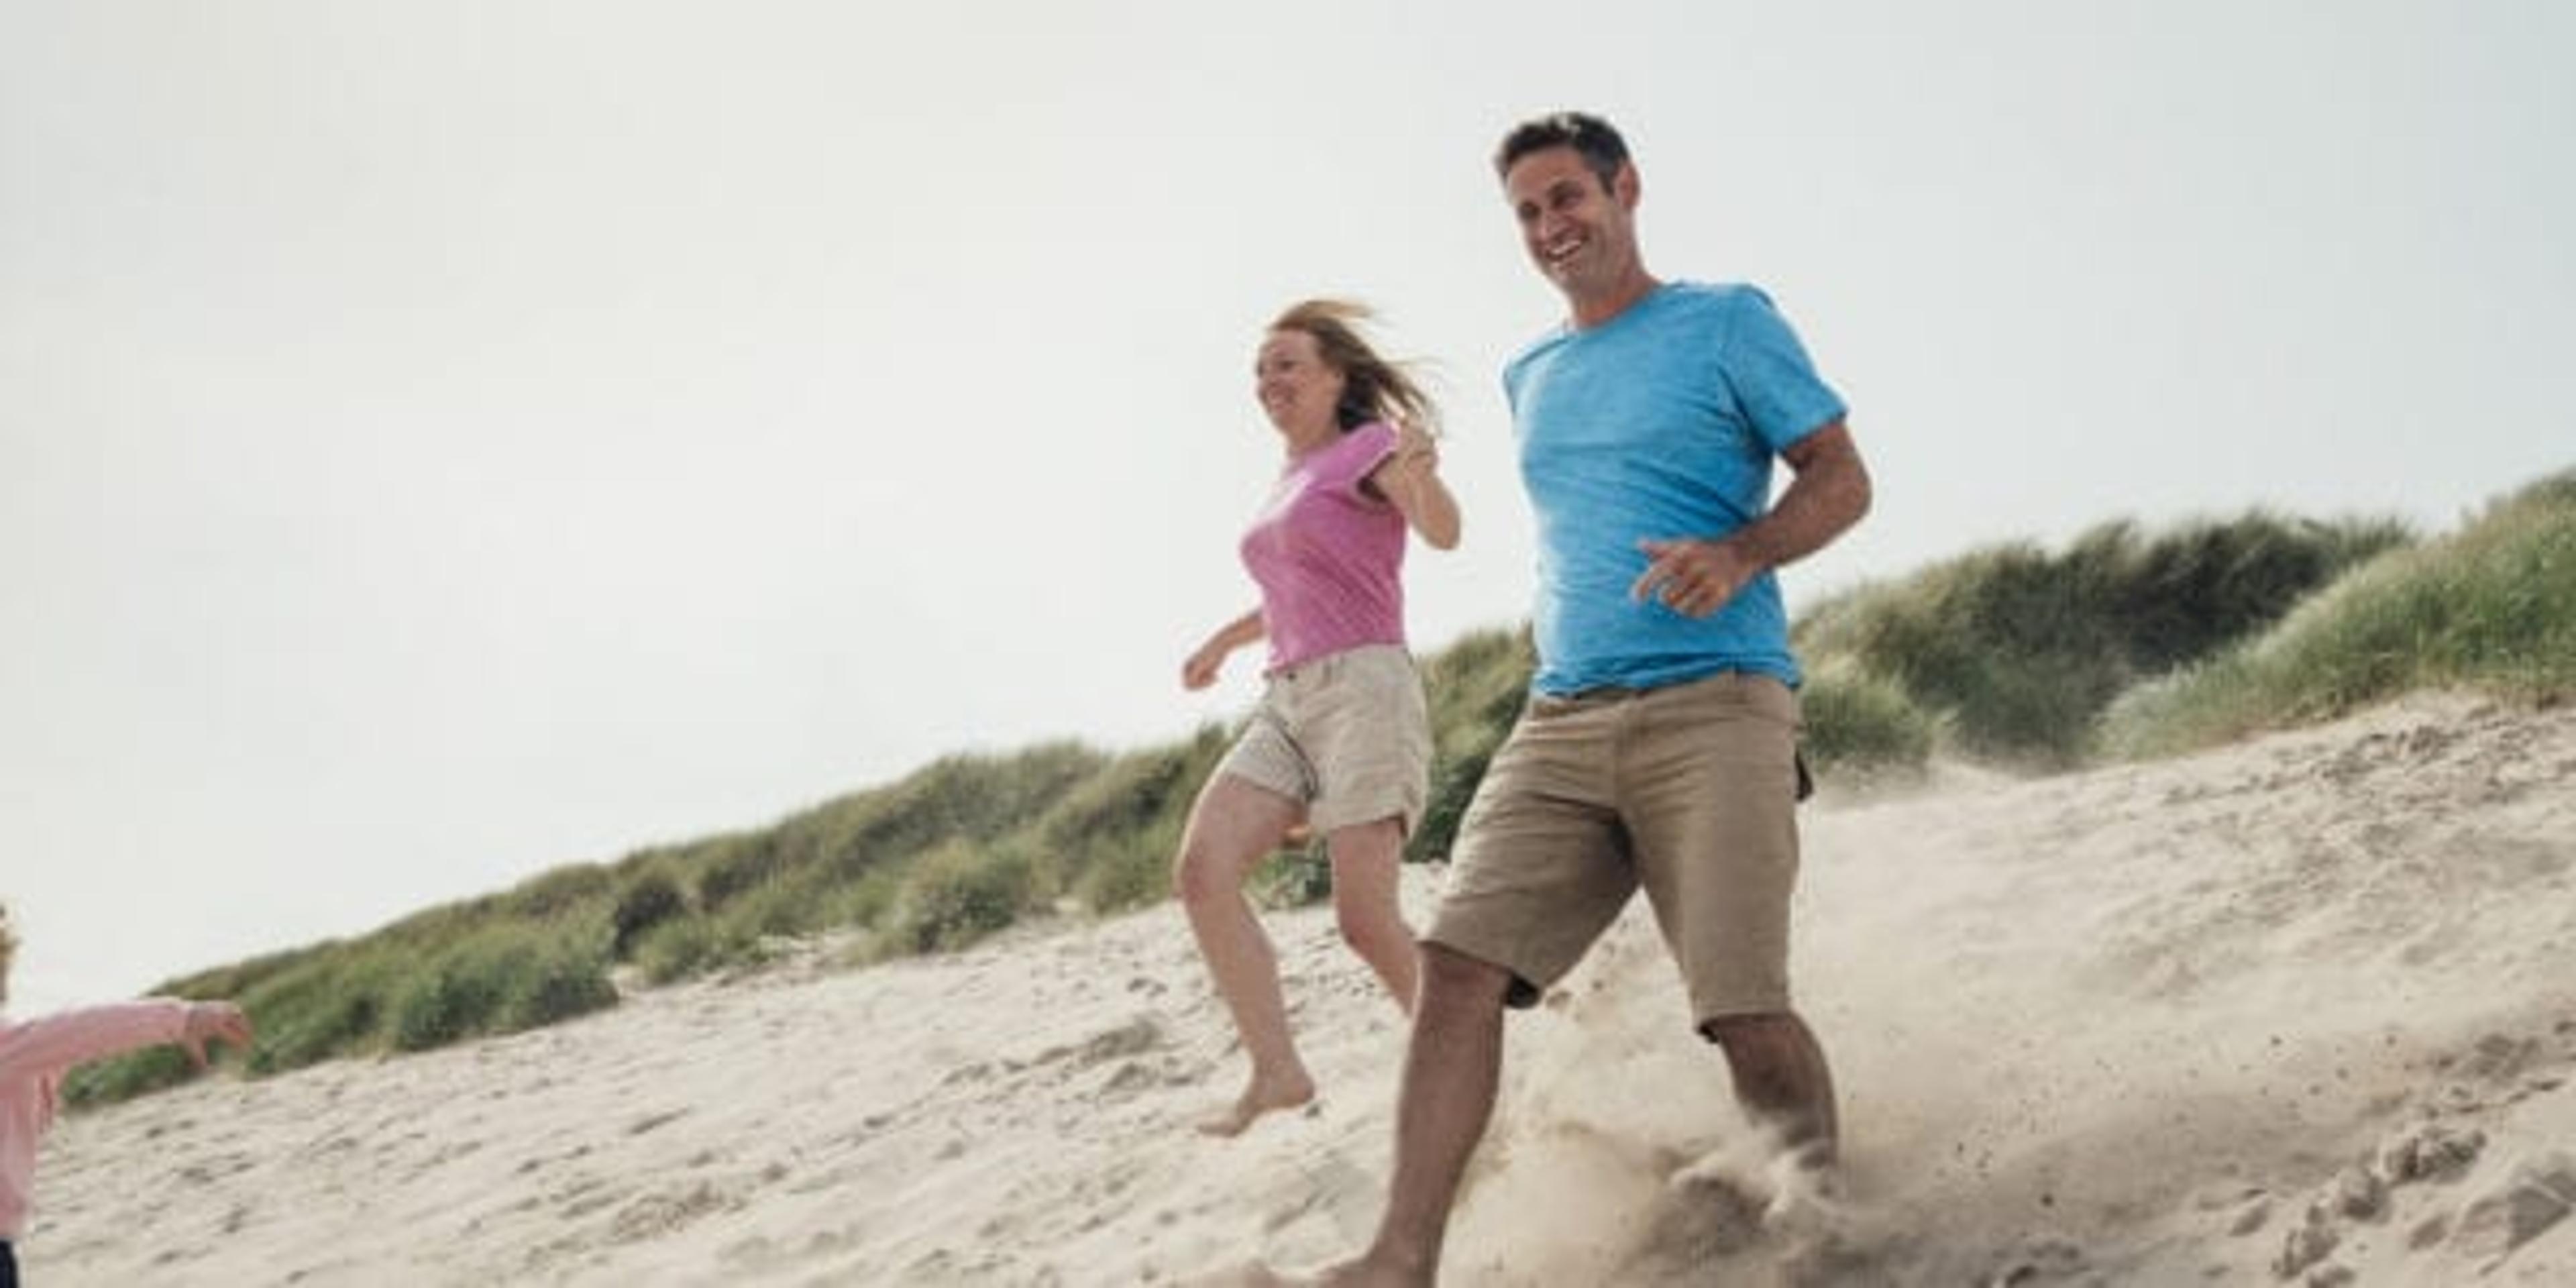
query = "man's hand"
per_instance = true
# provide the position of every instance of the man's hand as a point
(1692, 577)
(1696, 577)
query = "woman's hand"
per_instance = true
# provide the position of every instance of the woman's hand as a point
(1417, 454)
(1201, 668)
(1409, 478)
(213, 1022)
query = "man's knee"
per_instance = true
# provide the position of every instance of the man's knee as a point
(1450, 976)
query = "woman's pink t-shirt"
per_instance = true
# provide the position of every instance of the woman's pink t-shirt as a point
(1328, 553)
(33, 1058)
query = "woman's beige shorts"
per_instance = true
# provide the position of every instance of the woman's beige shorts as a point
(1347, 735)
(1688, 790)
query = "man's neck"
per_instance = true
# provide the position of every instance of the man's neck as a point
(1609, 304)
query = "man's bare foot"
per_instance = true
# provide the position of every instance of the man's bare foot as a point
(1265, 1095)
(1806, 1192)
(1365, 1272)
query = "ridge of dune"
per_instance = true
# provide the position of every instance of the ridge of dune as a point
(2298, 1010)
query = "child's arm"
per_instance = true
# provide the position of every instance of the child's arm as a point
(57, 1042)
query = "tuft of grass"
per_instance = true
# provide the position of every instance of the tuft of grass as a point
(501, 980)
(2017, 652)
(1476, 688)
(648, 899)
(1132, 870)
(976, 800)
(126, 1076)
(2491, 607)
(1109, 841)
(1864, 724)
(677, 950)
(1292, 877)
(959, 894)
(326, 1008)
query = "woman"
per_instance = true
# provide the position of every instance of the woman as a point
(1341, 742)
(34, 1056)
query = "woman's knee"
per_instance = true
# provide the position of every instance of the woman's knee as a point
(1368, 925)
(1201, 874)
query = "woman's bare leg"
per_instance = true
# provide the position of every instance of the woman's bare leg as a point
(1366, 902)
(1232, 826)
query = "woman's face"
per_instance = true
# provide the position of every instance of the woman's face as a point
(1296, 387)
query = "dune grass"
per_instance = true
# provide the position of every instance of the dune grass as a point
(2490, 608)
(2013, 654)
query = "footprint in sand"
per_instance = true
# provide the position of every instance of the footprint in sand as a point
(2534, 1196)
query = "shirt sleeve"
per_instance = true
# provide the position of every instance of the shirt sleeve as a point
(57, 1042)
(1365, 448)
(1782, 396)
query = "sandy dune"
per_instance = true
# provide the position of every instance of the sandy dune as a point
(2303, 1010)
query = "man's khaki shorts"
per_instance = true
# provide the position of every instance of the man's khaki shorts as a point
(1688, 790)
(1347, 734)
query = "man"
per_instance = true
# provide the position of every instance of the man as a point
(1658, 745)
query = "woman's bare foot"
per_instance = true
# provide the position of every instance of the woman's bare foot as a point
(1265, 1095)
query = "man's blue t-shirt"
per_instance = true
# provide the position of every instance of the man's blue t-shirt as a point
(1659, 423)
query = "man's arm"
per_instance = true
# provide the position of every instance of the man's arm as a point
(1830, 493)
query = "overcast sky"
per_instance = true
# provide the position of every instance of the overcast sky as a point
(440, 442)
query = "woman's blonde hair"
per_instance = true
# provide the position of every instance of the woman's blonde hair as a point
(1373, 388)
(8, 949)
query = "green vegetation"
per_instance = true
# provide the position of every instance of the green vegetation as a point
(2491, 607)
(1475, 688)
(2010, 655)
(1864, 724)
(501, 979)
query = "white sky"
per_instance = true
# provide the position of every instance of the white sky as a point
(439, 442)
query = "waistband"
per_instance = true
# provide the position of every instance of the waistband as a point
(1607, 694)
(1327, 663)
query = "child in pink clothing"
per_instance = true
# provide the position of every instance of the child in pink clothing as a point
(35, 1054)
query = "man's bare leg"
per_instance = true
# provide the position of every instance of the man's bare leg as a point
(1782, 1081)
(1451, 1068)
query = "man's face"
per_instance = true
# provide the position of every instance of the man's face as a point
(1581, 235)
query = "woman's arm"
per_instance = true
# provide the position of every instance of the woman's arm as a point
(1200, 670)
(1410, 481)
(57, 1042)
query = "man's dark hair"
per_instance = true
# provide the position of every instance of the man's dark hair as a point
(1600, 146)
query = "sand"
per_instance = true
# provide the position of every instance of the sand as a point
(2301, 1010)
